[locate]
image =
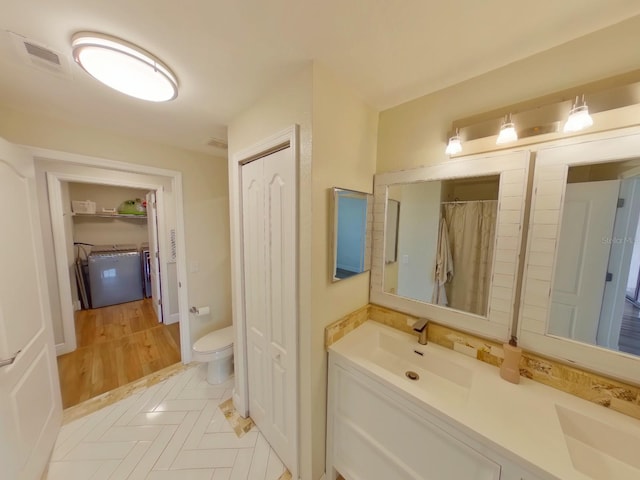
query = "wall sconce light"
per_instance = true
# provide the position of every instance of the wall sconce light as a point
(455, 144)
(579, 117)
(507, 131)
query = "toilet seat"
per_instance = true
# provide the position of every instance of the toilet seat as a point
(215, 341)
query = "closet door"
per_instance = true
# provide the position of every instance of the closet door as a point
(270, 267)
(255, 290)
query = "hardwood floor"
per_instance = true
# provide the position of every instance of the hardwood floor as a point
(116, 345)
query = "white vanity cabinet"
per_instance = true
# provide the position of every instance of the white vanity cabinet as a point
(378, 433)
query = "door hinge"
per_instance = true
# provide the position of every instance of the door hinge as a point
(620, 203)
(609, 277)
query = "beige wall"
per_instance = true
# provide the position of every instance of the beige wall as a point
(338, 131)
(344, 152)
(415, 133)
(286, 104)
(205, 197)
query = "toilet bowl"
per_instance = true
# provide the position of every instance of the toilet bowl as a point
(216, 349)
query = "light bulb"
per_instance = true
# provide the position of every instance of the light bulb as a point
(507, 132)
(579, 117)
(454, 146)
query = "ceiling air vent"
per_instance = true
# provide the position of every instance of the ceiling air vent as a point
(37, 55)
(217, 143)
(42, 53)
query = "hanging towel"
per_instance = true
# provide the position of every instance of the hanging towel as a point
(444, 266)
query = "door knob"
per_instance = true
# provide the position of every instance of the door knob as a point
(8, 361)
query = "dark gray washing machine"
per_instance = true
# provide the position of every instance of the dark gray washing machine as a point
(115, 275)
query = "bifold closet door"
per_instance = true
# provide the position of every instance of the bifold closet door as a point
(270, 255)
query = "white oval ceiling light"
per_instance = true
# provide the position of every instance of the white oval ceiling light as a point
(124, 67)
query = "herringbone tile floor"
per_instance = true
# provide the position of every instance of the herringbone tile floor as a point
(172, 430)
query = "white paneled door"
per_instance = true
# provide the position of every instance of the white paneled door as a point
(30, 404)
(154, 255)
(270, 253)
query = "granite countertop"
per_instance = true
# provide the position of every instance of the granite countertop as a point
(519, 421)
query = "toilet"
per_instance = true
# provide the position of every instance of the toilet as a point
(216, 349)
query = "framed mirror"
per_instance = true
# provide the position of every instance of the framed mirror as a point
(352, 232)
(582, 278)
(458, 241)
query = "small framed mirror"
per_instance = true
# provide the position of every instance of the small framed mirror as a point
(352, 232)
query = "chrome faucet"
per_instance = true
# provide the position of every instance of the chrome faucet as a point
(422, 327)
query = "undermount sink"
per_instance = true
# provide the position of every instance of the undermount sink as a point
(420, 366)
(598, 450)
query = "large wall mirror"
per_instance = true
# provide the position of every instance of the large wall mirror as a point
(456, 242)
(352, 233)
(581, 300)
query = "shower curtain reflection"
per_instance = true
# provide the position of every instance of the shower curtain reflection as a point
(471, 227)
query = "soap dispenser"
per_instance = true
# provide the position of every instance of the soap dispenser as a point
(510, 368)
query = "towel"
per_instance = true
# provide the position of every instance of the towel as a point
(444, 266)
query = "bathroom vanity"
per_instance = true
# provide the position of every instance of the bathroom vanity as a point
(401, 410)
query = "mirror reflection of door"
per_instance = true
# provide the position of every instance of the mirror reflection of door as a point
(583, 255)
(595, 289)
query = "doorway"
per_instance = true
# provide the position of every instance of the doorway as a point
(58, 170)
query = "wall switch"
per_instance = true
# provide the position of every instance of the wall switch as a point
(405, 259)
(194, 267)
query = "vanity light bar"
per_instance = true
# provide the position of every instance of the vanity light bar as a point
(558, 112)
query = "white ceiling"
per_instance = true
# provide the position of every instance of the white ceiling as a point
(226, 53)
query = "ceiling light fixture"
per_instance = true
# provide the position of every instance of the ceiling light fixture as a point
(508, 132)
(579, 117)
(124, 67)
(455, 145)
